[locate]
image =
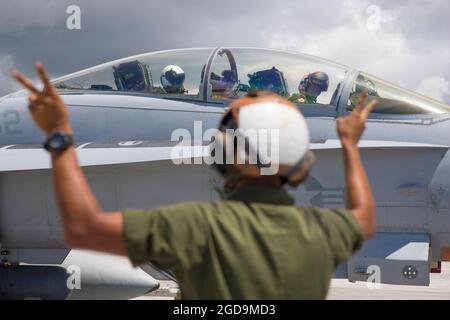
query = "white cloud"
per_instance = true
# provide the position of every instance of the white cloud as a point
(387, 52)
(435, 87)
(410, 45)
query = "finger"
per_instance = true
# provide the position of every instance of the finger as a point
(368, 109)
(25, 82)
(44, 77)
(35, 100)
(361, 99)
(39, 99)
(32, 97)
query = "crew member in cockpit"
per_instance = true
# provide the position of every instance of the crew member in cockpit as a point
(310, 87)
(172, 79)
(361, 84)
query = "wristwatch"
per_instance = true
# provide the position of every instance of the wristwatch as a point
(58, 141)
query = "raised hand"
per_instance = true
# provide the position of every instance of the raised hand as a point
(47, 108)
(351, 128)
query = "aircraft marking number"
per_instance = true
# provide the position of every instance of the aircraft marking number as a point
(9, 123)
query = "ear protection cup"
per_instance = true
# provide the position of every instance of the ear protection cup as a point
(301, 172)
(222, 143)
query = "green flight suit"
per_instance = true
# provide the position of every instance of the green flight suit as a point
(255, 245)
(300, 98)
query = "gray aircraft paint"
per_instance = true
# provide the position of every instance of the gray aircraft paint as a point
(406, 158)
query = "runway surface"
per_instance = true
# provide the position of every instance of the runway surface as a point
(342, 289)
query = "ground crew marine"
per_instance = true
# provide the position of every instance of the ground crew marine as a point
(255, 245)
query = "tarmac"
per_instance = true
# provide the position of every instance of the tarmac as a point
(342, 289)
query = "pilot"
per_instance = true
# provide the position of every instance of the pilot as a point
(172, 79)
(254, 244)
(361, 84)
(310, 87)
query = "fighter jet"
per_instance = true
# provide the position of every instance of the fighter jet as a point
(125, 115)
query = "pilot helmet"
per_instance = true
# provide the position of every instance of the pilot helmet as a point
(172, 79)
(265, 111)
(319, 79)
(362, 83)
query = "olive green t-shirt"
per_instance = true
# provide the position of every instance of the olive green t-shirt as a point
(255, 245)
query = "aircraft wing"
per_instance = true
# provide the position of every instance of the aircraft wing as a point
(374, 144)
(34, 157)
(399, 172)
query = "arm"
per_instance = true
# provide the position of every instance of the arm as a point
(359, 193)
(85, 224)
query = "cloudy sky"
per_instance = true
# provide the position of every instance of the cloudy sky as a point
(406, 42)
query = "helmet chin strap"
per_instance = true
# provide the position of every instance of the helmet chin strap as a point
(285, 177)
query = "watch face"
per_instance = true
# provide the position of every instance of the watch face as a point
(57, 142)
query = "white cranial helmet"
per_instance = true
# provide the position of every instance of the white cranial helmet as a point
(275, 133)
